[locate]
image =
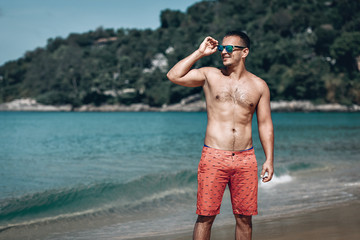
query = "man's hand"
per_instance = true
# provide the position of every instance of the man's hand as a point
(183, 75)
(208, 46)
(269, 169)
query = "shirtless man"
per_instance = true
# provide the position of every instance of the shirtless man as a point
(232, 96)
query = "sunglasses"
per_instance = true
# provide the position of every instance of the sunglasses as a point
(228, 48)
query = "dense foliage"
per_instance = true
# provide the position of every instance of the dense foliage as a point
(302, 49)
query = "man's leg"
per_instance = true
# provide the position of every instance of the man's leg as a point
(243, 229)
(202, 229)
(243, 187)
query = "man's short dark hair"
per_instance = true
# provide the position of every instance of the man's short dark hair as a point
(244, 37)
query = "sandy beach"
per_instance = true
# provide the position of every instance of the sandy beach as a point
(335, 222)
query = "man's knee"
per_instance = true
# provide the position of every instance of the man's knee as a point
(243, 220)
(205, 219)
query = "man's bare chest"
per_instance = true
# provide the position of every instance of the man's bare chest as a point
(243, 95)
(236, 95)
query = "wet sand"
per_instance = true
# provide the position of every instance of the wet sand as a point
(335, 222)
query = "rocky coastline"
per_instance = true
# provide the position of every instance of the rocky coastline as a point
(191, 104)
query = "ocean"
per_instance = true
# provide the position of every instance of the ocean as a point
(70, 175)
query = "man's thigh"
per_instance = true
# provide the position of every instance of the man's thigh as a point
(212, 181)
(243, 186)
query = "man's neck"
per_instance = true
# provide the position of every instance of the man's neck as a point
(236, 72)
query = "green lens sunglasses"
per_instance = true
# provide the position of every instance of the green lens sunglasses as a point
(228, 48)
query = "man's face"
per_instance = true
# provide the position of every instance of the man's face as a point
(236, 55)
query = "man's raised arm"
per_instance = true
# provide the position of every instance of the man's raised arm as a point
(181, 73)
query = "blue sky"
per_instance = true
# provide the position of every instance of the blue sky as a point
(27, 24)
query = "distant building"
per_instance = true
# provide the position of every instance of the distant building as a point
(115, 93)
(104, 41)
(159, 61)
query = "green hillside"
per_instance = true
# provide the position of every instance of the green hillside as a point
(302, 49)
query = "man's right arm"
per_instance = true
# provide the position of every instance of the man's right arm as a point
(181, 73)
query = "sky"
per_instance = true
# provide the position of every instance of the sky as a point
(28, 24)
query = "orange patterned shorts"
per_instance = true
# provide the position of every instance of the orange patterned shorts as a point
(217, 168)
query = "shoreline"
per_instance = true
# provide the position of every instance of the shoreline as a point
(339, 221)
(191, 104)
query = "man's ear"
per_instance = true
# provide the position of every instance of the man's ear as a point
(245, 52)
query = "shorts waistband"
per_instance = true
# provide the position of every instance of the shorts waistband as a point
(231, 151)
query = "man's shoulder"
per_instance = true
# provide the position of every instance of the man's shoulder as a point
(261, 83)
(211, 73)
(210, 70)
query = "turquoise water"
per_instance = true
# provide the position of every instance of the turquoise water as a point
(125, 175)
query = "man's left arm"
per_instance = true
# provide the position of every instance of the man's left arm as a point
(266, 133)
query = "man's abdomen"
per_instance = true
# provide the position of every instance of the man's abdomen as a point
(228, 136)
